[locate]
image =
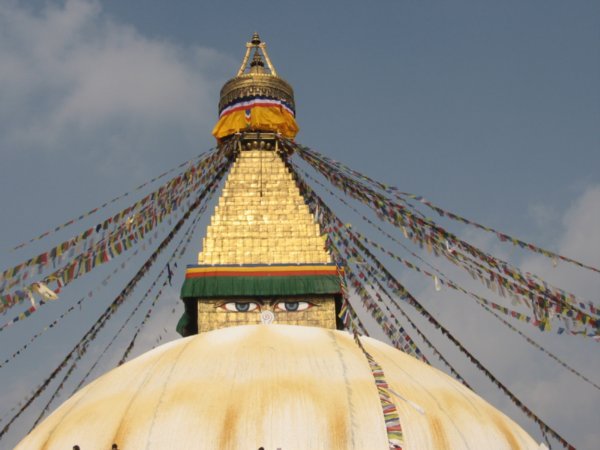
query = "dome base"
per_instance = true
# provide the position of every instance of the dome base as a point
(273, 386)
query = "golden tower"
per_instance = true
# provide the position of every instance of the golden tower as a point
(263, 259)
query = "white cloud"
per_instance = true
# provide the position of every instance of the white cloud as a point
(543, 216)
(73, 80)
(581, 222)
(580, 241)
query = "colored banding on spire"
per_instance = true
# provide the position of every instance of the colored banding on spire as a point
(259, 114)
(263, 280)
(245, 103)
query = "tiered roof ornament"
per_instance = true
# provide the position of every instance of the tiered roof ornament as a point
(256, 99)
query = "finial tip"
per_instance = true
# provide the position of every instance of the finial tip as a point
(257, 60)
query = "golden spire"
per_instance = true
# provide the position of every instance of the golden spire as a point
(262, 218)
(259, 78)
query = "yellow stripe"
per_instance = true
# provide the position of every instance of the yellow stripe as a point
(259, 268)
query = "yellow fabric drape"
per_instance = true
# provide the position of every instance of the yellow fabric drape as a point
(264, 118)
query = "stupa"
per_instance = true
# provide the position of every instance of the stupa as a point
(264, 362)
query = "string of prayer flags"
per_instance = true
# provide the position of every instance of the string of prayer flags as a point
(103, 251)
(403, 293)
(348, 315)
(503, 237)
(447, 282)
(423, 337)
(390, 412)
(110, 202)
(352, 254)
(139, 328)
(158, 203)
(81, 346)
(55, 322)
(176, 255)
(395, 332)
(326, 220)
(129, 347)
(545, 301)
(543, 325)
(128, 289)
(541, 348)
(385, 208)
(490, 307)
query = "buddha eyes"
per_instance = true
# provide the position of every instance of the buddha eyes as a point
(292, 306)
(240, 306)
(253, 306)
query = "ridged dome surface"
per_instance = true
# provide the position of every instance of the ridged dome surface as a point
(273, 386)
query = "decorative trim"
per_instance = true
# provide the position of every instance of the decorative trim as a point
(259, 100)
(261, 280)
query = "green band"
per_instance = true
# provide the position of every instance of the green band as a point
(260, 286)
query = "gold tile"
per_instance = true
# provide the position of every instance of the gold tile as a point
(261, 216)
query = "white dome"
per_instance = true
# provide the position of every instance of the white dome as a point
(272, 386)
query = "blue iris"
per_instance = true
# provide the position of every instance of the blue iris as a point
(291, 306)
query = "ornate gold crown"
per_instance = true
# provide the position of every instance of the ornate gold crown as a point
(254, 79)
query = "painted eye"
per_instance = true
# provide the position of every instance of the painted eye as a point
(293, 306)
(239, 306)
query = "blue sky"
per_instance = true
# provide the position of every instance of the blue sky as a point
(489, 109)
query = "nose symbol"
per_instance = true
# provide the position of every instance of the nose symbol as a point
(267, 317)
